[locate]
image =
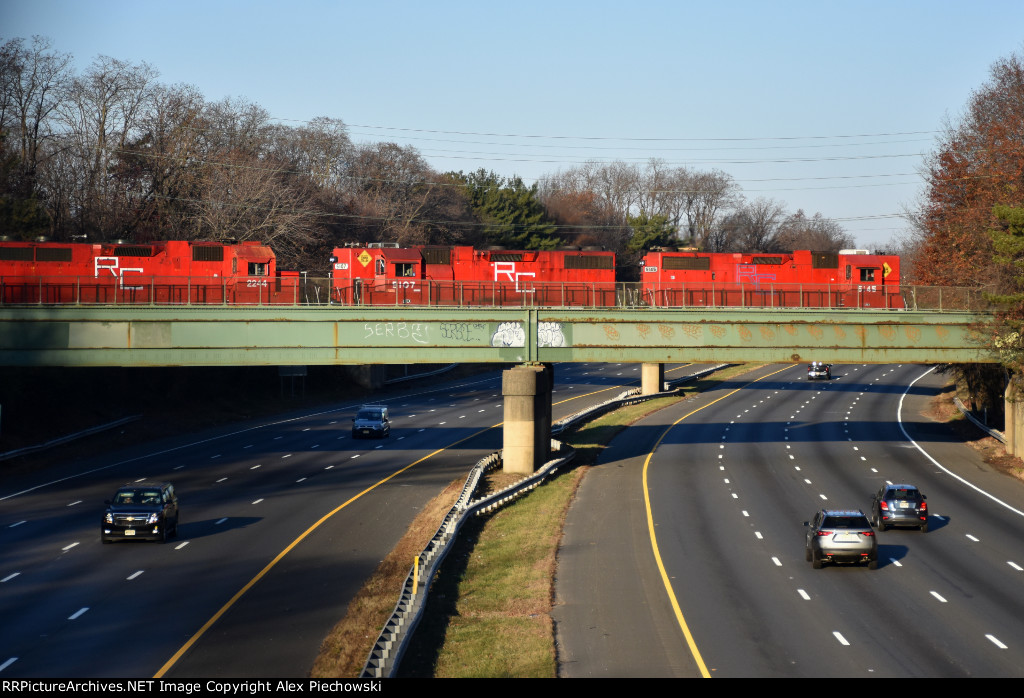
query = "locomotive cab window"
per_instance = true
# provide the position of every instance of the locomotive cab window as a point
(867, 274)
(257, 269)
(403, 270)
(381, 267)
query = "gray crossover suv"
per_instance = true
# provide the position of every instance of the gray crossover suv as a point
(899, 505)
(841, 535)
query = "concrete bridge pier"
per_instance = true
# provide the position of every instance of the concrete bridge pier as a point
(526, 433)
(652, 378)
(1013, 429)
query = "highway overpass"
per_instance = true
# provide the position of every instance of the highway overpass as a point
(255, 335)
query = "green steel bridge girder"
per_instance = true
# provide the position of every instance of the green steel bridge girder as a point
(244, 335)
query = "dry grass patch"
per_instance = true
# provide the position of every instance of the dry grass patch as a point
(346, 648)
(488, 612)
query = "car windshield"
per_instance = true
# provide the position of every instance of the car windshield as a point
(366, 414)
(137, 497)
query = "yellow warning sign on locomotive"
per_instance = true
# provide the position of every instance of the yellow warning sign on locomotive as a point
(365, 258)
(886, 270)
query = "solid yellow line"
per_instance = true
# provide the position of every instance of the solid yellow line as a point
(654, 539)
(605, 390)
(241, 592)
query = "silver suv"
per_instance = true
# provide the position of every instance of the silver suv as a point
(840, 535)
(371, 420)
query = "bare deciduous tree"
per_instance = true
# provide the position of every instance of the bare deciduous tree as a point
(798, 232)
(656, 191)
(103, 112)
(707, 195)
(245, 198)
(170, 160)
(34, 80)
(238, 126)
(322, 150)
(396, 197)
(755, 225)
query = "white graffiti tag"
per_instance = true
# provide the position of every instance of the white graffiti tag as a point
(509, 334)
(549, 334)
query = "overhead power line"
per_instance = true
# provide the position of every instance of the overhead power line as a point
(630, 139)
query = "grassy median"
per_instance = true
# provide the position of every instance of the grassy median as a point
(488, 614)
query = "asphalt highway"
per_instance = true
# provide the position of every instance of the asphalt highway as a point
(281, 522)
(684, 551)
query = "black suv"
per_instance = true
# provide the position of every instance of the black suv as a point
(817, 369)
(144, 510)
(899, 505)
(840, 535)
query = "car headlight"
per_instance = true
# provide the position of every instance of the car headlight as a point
(108, 518)
(153, 518)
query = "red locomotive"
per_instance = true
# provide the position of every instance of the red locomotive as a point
(171, 272)
(177, 272)
(383, 275)
(801, 279)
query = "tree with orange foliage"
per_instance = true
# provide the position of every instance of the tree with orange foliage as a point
(975, 180)
(979, 163)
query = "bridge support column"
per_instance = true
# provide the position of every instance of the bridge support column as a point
(1013, 428)
(652, 378)
(368, 375)
(526, 394)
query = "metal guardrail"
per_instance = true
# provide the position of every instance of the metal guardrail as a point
(393, 640)
(994, 433)
(65, 439)
(391, 644)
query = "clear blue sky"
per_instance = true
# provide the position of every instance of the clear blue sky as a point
(824, 106)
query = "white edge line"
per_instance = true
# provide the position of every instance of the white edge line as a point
(899, 420)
